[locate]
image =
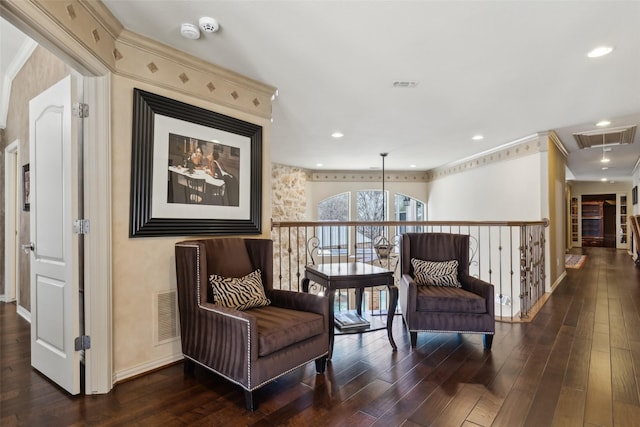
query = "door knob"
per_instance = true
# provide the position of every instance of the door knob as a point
(28, 247)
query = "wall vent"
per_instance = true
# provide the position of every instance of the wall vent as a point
(617, 136)
(165, 306)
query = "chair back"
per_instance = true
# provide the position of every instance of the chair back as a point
(434, 247)
(233, 257)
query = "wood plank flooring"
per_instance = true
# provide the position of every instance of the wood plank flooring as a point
(576, 364)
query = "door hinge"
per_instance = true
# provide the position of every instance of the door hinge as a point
(80, 110)
(81, 226)
(83, 342)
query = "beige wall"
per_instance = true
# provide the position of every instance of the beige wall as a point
(557, 212)
(143, 266)
(41, 71)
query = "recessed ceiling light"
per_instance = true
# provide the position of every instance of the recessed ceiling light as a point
(603, 123)
(604, 168)
(477, 137)
(600, 51)
(337, 134)
(603, 179)
(412, 166)
(319, 165)
(604, 160)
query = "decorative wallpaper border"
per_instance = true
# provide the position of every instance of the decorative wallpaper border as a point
(364, 176)
(527, 146)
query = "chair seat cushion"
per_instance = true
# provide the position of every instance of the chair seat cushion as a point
(281, 327)
(449, 300)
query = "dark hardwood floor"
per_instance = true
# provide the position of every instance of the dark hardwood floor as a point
(577, 363)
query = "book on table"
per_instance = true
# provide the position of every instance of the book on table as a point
(350, 320)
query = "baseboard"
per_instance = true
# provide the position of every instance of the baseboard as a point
(558, 280)
(146, 368)
(532, 313)
(22, 312)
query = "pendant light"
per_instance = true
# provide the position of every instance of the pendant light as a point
(384, 195)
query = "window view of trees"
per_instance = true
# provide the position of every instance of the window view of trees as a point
(370, 206)
(334, 208)
(334, 240)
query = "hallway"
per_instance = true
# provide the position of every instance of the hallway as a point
(577, 363)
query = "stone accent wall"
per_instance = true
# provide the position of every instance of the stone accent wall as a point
(288, 203)
(288, 199)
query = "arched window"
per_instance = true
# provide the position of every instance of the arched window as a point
(409, 209)
(334, 240)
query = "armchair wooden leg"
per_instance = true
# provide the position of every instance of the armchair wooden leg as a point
(248, 398)
(414, 338)
(488, 340)
(321, 364)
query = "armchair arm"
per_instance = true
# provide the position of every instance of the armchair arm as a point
(482, 288)
(299, 301)
(407, 295)
(221, 341)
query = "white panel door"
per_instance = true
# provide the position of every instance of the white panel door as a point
(55, 314)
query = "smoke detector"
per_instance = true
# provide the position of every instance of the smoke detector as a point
(208, 25)
(190, 31)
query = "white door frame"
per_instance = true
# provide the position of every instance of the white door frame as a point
(97, 244)
(11, 215)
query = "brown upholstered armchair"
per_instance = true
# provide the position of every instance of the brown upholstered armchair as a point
(251, 347)
(466, 309)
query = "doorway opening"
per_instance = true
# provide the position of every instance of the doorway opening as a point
(599, 220)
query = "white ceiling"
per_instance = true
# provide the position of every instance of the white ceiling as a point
(503, 69)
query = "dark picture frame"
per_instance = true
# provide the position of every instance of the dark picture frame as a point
(26, 188)
(634, 195)
(152, 212)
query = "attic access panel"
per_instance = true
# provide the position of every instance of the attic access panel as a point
(617, 136)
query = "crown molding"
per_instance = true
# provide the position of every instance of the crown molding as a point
(100, 13)
(553, 137)
(161, 50)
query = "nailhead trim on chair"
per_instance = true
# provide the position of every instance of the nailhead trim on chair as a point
(249, 387)
(197, 247)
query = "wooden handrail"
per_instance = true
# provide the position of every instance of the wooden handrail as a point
(284, 224)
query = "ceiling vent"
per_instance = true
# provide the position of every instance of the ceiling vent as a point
(405, 84)
(598, 138)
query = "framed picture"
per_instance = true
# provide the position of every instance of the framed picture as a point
(634, 195)
(26, 188)
(193, 171)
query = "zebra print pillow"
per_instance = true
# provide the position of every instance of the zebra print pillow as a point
(240, 293)
(433, 273)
